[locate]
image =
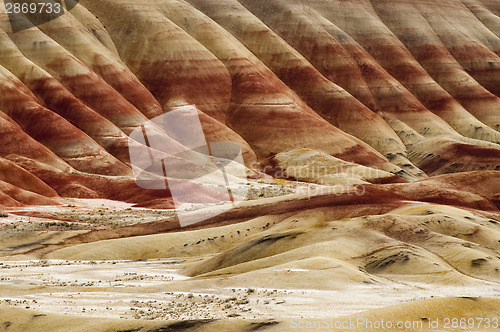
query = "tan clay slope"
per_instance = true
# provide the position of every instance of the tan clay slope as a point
(454, 194)
(393, 89)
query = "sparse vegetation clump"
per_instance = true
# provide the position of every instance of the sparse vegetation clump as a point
(116, 217)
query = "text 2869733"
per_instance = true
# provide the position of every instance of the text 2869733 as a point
(28, 7)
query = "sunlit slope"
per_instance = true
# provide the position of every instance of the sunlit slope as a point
(408, 88)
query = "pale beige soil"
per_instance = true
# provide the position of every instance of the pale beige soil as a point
(154, 290)
(309, 265)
